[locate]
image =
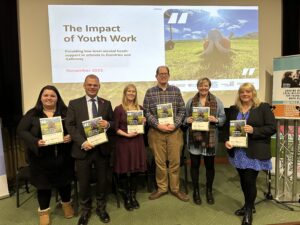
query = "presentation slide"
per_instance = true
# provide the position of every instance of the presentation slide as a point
(126, 44)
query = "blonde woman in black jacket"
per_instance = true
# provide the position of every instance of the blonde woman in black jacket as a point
(260, 126)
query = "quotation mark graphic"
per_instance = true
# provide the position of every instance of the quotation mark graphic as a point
(174, 18)
(248, 71)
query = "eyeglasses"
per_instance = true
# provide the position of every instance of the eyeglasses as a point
(163, 74)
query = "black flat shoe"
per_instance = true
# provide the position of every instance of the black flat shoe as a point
(247, 219)
(196, 197)
(241, 211)
(134, 203)
(103, 215)
(209, 197)
(84, 218)
(128, 206)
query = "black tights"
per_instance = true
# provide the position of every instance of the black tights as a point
(248, 184)
(44, 196)
(210, 170)
(128, 181)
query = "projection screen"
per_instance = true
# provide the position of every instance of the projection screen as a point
(124, 43)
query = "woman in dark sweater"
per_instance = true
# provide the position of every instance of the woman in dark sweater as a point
(51, 166)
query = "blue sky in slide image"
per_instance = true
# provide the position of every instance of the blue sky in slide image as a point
(233, 22)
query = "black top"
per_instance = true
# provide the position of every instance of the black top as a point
(50, 166)
(263, 122)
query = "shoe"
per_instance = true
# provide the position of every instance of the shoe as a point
(44, 216)
(209, 197)
(196, 197)
(84, 218)
(135, 204)
(68, 209)
(156, 194)
(103, 215)
(181, 196)
(127, 202)
(241, 211)
(247, 220)
(128, 206)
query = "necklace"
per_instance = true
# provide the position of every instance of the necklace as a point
(245, 111)
(245, 115)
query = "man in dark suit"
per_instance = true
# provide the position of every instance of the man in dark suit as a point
(85, 153)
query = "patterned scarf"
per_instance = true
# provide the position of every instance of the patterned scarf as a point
(204, 139)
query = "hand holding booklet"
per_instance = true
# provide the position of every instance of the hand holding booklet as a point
(52, 130)
(135, 121)
(200, 116)
(165, 113)
(93, 132)
(238, 137)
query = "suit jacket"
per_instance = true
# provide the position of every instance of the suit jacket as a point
(263, 122)
(78, 112)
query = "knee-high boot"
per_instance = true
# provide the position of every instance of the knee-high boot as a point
(195, 181)
(210, 175)
(133, 188)
(127, 195)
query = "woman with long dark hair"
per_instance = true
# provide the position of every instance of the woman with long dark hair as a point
(51, 166)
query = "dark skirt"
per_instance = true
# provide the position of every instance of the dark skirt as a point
(130, 155)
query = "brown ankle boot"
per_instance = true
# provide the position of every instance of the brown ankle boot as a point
(68, 209)
(44, 216)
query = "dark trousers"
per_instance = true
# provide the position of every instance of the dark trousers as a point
(248, 184)
(209, 166)
(44, 195)
(95, 167)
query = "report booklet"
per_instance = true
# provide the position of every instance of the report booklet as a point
(165, 113)
(238, 137)
(52, 130)
(200, 116)
(94, 133)
(135, 121)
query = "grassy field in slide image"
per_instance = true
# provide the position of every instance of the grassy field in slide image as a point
(185, 60)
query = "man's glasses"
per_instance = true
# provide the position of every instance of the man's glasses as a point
(163, 74)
